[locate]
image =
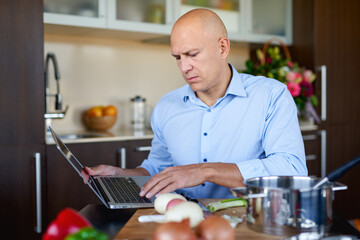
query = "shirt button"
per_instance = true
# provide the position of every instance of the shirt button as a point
(203, 184)
(209, 110)
(205, 160)
(205, 134)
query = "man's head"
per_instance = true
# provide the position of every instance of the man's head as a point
(200, 46)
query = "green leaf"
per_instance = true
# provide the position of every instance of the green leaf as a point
(314, 101)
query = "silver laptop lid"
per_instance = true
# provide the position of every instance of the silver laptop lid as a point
(79, 168)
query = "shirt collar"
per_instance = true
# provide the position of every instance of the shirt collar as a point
(236, 87)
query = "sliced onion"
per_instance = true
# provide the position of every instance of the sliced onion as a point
(163, 199)
(185, 210)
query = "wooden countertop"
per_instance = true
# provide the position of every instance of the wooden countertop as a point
(133, 229)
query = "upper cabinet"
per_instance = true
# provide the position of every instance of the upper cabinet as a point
(80, 13)
(246, 20)
(264, 19)
(249, 20)
(149, 16)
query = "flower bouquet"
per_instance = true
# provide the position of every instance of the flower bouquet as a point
(298, 80)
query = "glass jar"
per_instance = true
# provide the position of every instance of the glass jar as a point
(138, 113)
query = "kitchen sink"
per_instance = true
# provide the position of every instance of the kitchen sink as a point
(82, 135)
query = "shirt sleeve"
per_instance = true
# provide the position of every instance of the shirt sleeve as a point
(281, 140)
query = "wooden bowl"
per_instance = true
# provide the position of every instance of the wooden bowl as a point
(99, 123)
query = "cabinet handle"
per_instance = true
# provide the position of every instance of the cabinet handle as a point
(122, 152)
(38, 226)
(309, 137)
(323, 153)
(143, 149)
(323, 92)
(310, 157)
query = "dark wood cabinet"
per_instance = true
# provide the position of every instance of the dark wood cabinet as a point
(325, 32)
(18, 190)
(64, 186)
(21, 116)
(22, 72)
(136, 152)
(312, 144)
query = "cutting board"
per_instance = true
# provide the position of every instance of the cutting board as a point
(136, 230)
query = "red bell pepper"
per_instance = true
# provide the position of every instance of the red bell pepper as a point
(68, 221)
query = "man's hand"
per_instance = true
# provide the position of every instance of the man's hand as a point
(104, 170)
(172, 178)
(107, 170)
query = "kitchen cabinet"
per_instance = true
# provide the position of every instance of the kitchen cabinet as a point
(145, 17)
(20, 209)
(21, 118)
(249, 20)
(135, 153)
(149, 16)
(81, 13)
(246, 20)
(313, 148)
(325, 33)
(64, 186)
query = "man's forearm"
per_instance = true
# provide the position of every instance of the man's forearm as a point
(224, 174)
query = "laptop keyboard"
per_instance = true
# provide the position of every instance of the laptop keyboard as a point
(124, 190)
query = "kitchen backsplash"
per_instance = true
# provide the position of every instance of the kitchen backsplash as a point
(102, 71)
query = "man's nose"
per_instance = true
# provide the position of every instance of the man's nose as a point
(185, 66)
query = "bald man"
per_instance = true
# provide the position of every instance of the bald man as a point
(222, 127)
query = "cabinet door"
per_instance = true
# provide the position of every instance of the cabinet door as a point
(312, 142)
(65, 187)
(84, 13)
(22, 73)
(137, 151)
(18, 191)
(149, 16)
(264, 19)
(249, 20)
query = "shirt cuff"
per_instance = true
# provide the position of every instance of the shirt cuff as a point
(252, 168)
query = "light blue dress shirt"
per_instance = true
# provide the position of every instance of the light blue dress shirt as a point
(254, 125)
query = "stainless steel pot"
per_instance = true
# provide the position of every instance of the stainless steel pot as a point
(287, 205)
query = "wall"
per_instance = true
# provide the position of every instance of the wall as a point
(101, 71)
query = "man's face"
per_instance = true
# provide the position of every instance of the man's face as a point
(197, 56)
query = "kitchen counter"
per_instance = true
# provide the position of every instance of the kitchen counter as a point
(94, 136)
(122, 135)
(123, 224)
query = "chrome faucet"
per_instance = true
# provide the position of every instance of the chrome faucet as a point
(59, 113)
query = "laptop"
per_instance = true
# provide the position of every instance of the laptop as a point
(114, 191)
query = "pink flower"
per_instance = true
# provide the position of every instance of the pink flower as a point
(307, 89)
(269, 60)
(308, 76)
(293, 77)
(294, 89)
(290, 64)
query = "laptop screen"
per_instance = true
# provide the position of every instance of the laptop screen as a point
(79, 168)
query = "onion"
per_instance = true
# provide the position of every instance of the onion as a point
(215, 227)
(174, 202)
(163, 199)
(185, 210)
(174, 231)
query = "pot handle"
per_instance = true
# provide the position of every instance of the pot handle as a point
(338, 186)
(242, 192)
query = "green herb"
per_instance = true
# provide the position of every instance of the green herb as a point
(227, 203)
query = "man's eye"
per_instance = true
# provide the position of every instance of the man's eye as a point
(193, 54)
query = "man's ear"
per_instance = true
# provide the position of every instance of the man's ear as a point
(224, 44)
